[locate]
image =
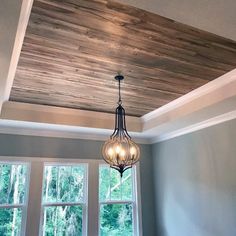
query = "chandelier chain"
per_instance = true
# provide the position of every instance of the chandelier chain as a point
(119, 101)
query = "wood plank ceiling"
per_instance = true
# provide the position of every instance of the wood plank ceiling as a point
(73, 48)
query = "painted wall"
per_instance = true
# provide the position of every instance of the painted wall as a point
(215, 16)
(9, 17)
(195, 183)
(29, 146)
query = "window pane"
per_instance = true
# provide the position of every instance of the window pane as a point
(127, 185)
(63, 194)
(12, 183)
(104, 183)
(10, 221)
(77, 184)
(63, 220)
(5, 171)
(115, 185)
(50, 184)
(112, 186)
(116, 220)
(63, 184)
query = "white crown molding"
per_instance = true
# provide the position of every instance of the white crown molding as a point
(60, 131)
(196, 127)
(208, 105)
(64, 116)
(215, 92)
(211, 86)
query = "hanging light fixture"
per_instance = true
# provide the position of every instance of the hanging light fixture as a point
(120, 152)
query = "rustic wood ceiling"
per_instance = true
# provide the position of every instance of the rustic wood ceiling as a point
(73, 49)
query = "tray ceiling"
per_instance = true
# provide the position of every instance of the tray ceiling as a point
(72, 50)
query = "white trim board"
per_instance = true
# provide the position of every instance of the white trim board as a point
(211, 94)
(196, 127)
(61, 131)
(191, 112)
(20, 34)
(20, 13)
(102, 137)
(64, 116)
(210, 87)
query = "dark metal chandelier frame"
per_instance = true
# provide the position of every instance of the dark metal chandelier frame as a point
(120, 152)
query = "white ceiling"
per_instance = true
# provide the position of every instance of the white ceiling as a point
(215, 16)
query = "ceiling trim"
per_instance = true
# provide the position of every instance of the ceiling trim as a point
(17, 127)
(64, 116)
(196, 127)
(211, 104)
(208, 95)
(210, 87)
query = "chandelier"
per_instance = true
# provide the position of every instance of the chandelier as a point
(120, 152)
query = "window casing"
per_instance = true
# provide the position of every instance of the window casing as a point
(64, 199)
(118, 211)
(13, 197)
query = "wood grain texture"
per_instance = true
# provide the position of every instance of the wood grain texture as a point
(73, 49)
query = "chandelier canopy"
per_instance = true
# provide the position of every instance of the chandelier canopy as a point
(120, 152)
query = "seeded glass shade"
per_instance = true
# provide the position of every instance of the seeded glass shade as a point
(120, 152)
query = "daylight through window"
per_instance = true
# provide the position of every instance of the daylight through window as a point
(117, 198)
(64, 200)
(13, 198)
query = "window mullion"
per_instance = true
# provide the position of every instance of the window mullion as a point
(0, 171)
(121, 189)
(116, 202)
(85, 203)
(134, 197)
(110, 184)
(62, 204)
(9, 185)
(93, 203)
(58, 181)
(34, 203)
(8, 206)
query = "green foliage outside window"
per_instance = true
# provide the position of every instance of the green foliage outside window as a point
(12, 192)
(116, 219)
(63, 221)
(63, 185)
(63, 200)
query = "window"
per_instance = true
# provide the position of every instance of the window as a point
(117, 198)
(64, 200)
(71, 197)
(13, 198)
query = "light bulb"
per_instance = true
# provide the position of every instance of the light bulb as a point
(118, 149)
(122, 155)
(110, 152)
(132, 150)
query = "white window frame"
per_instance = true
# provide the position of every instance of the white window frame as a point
(84, 204)
(133, 202)
(34, 192)
(22, 206)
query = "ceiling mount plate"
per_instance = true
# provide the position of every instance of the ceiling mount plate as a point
(119, 77)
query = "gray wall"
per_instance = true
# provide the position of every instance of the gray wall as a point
(29, 146)
(195, 183)
(215, 16)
